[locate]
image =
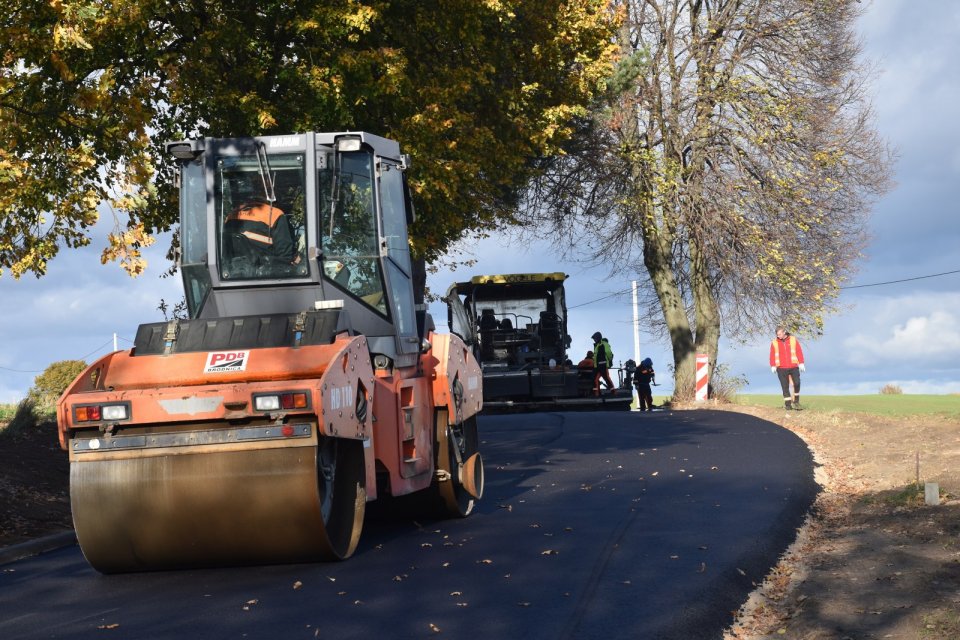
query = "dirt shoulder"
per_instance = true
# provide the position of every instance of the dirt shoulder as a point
(873, 560)
(34, 485)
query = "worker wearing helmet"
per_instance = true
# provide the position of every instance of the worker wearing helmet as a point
(644, 378)
(603, 360)
(786, 360)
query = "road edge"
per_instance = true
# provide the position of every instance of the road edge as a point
(36, 547)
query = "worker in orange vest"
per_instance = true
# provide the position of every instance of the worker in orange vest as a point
(786, 360)
(261, 224)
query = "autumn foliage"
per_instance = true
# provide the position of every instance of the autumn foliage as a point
(474, 90)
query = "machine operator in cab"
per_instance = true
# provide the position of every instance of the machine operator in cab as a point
(258, 227)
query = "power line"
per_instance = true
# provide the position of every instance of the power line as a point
(97, 349)
(83, 358)
(19, 370)
(877, 284)
(855, 286)
(611, 295)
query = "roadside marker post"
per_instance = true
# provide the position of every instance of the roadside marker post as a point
(703, 377)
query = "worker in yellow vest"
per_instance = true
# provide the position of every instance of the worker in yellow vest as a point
(786, 360)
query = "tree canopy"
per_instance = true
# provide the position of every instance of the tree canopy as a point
(735, 162)
(89, 91)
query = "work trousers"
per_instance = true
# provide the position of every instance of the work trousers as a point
(785, 375)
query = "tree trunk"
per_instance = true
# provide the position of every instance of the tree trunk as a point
(656, 258)
(706, 309)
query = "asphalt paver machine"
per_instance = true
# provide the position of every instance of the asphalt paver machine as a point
(516, 324)
(304, 383)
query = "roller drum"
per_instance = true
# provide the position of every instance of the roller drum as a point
(213, 505)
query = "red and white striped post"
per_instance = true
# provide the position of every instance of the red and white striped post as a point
(703, 376)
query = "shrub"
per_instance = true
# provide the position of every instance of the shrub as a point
(724, 386)
(24, 418)
(891, 389)
(49, 385)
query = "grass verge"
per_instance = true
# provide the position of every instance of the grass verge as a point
(892, 405)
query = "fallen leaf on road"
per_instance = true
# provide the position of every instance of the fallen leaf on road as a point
(112, 625)
(297, 584)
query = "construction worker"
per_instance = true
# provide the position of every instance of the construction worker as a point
(786, 360)
(644, 377)
(587, 362)
(262, 225)
(603, 360)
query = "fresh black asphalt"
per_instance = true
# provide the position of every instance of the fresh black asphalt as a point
(593, 525)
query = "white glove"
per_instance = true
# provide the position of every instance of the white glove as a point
(802, 368)
(773, 369)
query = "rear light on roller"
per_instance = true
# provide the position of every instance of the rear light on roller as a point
(102, 412)
(88, 414)
(266, 403)
(284, 400)
(114, 412)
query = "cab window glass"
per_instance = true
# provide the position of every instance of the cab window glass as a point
(394, 215)
(349, 228)
(260, 216)
(193, 236)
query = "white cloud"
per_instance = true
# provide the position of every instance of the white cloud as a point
(872, 387)
(928, 340)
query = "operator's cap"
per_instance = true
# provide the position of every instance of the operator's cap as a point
(597, 336)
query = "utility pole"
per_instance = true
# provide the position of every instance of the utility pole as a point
(636, 324)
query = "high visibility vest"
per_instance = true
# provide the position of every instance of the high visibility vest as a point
(792, 344)
(602, 353)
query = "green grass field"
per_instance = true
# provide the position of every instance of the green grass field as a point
(876, 404)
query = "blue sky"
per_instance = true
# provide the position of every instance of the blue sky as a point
(906, 333)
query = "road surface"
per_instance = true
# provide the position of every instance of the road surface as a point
(593, 525)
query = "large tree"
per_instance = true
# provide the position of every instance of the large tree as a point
(90, 90)
(734, 161)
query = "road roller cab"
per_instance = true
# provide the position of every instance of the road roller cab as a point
(303, 383)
